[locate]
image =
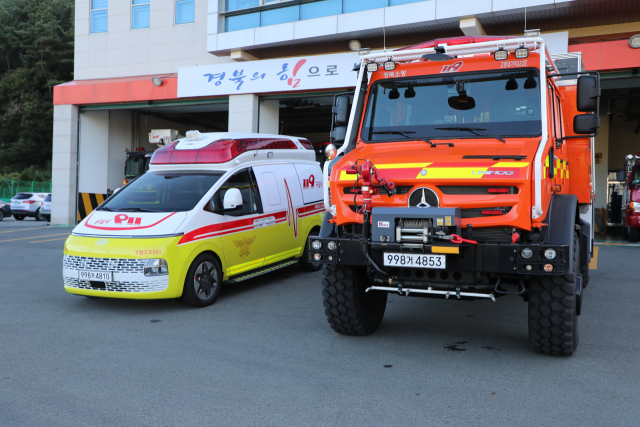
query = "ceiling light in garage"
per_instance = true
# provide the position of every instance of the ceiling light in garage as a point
(634, 41)
(354, 45)
(156, 81)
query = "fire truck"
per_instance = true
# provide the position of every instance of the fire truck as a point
(631, 199)
(465, 173)
(138, 161)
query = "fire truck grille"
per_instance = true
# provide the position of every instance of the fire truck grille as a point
(474, 189)
(486, 235)
(478, 212)
(117, 265)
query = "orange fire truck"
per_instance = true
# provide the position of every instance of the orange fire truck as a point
(465, 173)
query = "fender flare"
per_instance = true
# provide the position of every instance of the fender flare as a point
(327, 229)
(561, 221)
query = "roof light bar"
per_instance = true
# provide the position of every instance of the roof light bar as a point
(521, 52)
(372, 67)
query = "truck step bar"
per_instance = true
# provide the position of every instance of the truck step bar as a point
(430, 291)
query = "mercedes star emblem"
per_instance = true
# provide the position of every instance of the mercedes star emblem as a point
(423, 203)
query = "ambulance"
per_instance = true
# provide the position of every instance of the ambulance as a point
(213, 208)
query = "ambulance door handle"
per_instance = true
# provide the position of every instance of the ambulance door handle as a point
(258, 223)
(269, 220)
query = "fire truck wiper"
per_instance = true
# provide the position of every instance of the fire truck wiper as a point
(406, 135)
(473, 131)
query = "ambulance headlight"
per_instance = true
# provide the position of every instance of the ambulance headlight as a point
(550, 253)
(332, 245)
(316, 244)
(156, 267)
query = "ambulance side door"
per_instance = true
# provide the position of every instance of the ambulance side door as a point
(281, 196)
(245, 246)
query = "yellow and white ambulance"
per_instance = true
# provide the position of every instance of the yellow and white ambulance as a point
(213, 208)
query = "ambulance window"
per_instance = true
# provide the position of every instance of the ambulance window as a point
(242, 181)
(273, 194)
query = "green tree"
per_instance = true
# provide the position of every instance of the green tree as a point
(36, 53)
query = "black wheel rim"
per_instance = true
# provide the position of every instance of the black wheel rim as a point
(205, 280)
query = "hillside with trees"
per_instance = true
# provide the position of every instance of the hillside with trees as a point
(36, 53)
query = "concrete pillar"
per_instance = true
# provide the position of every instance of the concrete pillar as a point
(93, 152)
(270, 116)
(243, 113)
(64, 164)
(471, 27)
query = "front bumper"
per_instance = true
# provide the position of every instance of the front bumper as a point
(125, 258)
(493, 258)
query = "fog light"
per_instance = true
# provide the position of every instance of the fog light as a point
(526, 253)
(372, 67)
(330, 258)
(550, 253)
(528, 267)
(389, 65)
(548, 267)
(316, 244)
(332, 245)
(500, 55)
(317, 257)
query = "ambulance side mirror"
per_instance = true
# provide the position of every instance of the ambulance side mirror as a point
(232, 200)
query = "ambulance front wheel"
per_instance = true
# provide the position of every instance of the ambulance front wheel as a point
(204, 281)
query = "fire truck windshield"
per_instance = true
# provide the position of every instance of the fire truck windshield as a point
(504, 103)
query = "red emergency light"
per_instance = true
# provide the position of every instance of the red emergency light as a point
(453, 41)
(220, 151)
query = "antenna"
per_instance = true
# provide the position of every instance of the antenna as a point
(384, 34)
(525, 16)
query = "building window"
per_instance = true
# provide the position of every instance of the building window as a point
(320, 9)
(140, 14)
(349, 6)
(185, 11)
(241, 4)
(99, 14)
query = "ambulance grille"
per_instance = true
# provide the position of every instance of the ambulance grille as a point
(157, 285)
(117, 265)
(474, 189)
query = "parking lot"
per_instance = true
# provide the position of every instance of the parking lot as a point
(264, 355)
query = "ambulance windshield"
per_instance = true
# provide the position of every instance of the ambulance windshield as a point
(163, 192)
(503, 103)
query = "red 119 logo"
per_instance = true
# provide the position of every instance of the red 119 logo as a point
(453, 68)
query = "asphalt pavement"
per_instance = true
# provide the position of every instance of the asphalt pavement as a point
(264, 354)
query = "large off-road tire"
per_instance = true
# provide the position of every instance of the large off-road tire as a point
(349, 309)
(553, 304)
(19, 217)
(634, 234)
(203, 282)
(304, 262)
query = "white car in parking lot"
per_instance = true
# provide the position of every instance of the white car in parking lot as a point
(45, 210)
(27, 204)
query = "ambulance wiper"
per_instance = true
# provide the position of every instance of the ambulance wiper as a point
(136, 210)
(105, 209)
(406, 135)
(473, 131)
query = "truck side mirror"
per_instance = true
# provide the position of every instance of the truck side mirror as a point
(341, 110)
(588, 94)
(586, 124)
(232, 200)
(621, 176)
(338, 134)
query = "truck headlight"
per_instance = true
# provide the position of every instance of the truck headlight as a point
(156, 267)
(550, 253)
(526, 253)
(635, 206)
(331, 245)
(316, 244)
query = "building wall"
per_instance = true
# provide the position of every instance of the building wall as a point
(622, 141)
(122, 51)
(93, 152)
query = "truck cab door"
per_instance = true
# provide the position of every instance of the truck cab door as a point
(245, 245)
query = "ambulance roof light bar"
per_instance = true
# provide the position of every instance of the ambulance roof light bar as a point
(219, 151)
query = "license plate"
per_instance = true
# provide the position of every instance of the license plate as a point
(98, 276)
(415, 260)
